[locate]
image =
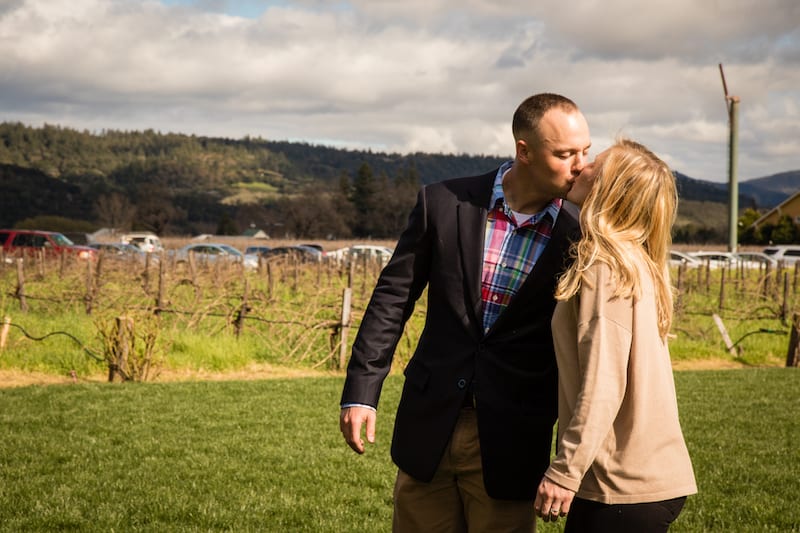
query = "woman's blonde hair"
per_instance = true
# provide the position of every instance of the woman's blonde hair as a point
(631, 207)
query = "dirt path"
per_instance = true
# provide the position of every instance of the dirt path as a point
(17, 378)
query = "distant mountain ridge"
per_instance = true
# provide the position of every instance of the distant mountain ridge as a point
(771, 190)
(63, 172)
(760, 193)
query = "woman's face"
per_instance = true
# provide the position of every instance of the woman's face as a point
(585, 180)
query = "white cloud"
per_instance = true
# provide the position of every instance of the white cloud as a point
(413, 75)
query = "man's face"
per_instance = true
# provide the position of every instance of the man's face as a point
(557, 153)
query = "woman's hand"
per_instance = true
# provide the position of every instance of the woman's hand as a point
(552, 500)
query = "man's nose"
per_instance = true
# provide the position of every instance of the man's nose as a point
(579, 162)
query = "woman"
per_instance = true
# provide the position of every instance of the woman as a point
(621, 453)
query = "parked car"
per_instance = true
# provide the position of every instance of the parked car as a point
(786, 253)
(315, 250)
(379, 253)
(677, 259)
(119, 251)
(26, 242)
(734, 259)
(145, 241)
(715, 259)
(207, 252)
(317, 247)
(755, 259)
(257, 250)
(303, 253)
(357, 252)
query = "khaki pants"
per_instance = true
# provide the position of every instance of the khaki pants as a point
(456, 500)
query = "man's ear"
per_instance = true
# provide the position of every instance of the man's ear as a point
(523, 151)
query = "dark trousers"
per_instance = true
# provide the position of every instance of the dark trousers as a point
(586, 516)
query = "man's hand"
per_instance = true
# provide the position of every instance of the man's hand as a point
(350, 421)
(552, 500)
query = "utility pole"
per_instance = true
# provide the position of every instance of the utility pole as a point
(732, 103)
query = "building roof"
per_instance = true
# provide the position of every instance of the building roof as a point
(790, 206)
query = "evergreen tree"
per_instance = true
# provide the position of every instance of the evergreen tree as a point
(227, 226)
(363, 199)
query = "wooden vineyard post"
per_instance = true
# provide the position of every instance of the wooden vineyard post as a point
(4, 332)
(365, 259)
(146, 273)
(40, 263)
(351, 271)
(699, 271)
(792, 355)
(270, 281)
(162, 282)
(238, 323)
(92, 282)
(785, 303)
(344, 324)
(722, 288)
(23, 303)
(725, 337)
(119, 354)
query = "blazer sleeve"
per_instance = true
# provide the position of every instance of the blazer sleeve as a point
(399, 286)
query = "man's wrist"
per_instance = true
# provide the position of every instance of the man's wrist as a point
(346, 405)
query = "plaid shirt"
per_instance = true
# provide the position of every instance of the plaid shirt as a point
(510, 250)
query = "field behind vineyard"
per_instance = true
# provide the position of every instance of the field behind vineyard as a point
(179, 322)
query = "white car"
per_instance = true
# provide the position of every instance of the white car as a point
(146, 242)
(358, 251)
(755, 260)
(787, 253)
(731, 260)
(715, 259)
(677, 259)
(207, 252)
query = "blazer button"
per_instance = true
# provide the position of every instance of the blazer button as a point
(462, 383)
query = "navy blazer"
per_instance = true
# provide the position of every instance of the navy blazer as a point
(511, 367)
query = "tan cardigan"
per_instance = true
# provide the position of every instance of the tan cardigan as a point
(619, 438)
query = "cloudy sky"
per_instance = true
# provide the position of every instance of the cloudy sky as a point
(414, 75)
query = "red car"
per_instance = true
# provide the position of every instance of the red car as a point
(26, 242)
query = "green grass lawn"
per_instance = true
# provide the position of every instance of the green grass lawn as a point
(268, 456)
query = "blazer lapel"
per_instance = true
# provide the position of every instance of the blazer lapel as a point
(471, 218)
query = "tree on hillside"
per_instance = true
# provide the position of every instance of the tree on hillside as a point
(227, 225)
(749, 234)
(364, 201)
(313, 214)
(784, 232)
(155, 211)
(114, 211)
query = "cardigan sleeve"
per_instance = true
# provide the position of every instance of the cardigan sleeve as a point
(604, 325)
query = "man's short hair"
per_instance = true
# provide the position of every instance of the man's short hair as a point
(530, 112)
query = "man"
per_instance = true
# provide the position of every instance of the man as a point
(474, 425)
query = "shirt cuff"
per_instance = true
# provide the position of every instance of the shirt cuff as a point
(346, 405)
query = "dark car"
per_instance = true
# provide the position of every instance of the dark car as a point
(257, 250)
(117, 250)
(302, 253)
(26, 242)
